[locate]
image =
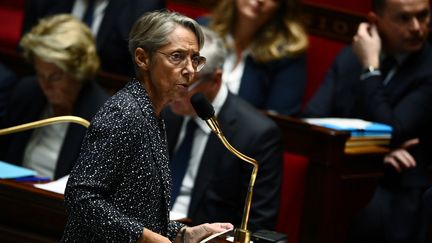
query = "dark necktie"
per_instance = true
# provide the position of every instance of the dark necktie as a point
(386, 65)
(88, 15)
(180, 160)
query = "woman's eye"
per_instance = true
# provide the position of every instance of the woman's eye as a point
(177, 56)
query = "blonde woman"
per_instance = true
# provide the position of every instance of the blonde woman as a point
(266, 64)
(62, 51)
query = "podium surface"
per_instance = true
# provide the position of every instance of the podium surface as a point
(30, 214)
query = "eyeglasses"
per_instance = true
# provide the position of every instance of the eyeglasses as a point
(177, 58)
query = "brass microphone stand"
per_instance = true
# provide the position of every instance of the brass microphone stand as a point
(242, 234)
(44, 122)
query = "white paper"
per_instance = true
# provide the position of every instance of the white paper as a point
(208, 239)
(177, 216)
(57, 186)
(348, 123)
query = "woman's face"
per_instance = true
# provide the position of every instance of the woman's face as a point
(171, 69)
(60, 88)
(260, 11)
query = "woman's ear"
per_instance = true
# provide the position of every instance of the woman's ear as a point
(142, 58)
(215, 83)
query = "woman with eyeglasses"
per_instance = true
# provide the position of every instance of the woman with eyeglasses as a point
(266, 63)
(62, 51)
(119, 191)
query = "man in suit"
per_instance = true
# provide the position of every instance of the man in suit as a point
(111, 21)
(362, 84)
(215, 182)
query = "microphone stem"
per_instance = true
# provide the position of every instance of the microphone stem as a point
(243, 234)
(44, 122)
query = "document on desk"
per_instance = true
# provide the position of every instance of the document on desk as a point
(214, 238)
(57, 186)
(10, 171)
(177, 216)
(357, 127)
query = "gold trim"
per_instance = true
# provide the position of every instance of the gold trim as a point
(243, 234)
(44, 122)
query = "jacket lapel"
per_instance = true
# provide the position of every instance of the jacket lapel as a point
(415, 67)
(173, 125)
(112, 10)
(157, 137)
(213, 153)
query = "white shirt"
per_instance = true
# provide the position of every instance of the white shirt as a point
(232, 75)
(44, 147)
(181, 205)
(80, 7)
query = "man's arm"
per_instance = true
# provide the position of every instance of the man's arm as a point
(400, 158)
(265, 200)
(367, 45)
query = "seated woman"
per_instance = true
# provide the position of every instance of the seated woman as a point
(62, 51)
(266, 65)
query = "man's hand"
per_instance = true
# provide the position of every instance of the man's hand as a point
(399, 158)
(367, 45)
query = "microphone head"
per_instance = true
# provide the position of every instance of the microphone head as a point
(202, 106)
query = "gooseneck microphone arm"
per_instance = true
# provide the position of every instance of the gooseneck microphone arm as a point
(206, 112)
(44, 122)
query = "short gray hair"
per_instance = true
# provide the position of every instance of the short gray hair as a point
(151, 30)
(214, 51)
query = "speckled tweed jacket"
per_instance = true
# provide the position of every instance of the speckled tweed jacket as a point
(121, 182)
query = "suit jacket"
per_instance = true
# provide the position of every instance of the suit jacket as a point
(121, 182)
(113, 34)
(27, 104)
(277, 85)
(7, 81)
(220, 186)
(403, 103)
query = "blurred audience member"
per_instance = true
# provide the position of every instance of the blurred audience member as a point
(211, 183)
(401, 159)
(266, 64)
(64, 56)
(7, 80)
(386, 76)
(110, 22)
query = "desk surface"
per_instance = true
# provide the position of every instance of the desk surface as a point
(30, 214)
(339, 181)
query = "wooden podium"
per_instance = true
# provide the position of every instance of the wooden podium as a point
(340, 180)
(30, 214)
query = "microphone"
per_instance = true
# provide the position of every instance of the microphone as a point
(205, 111)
